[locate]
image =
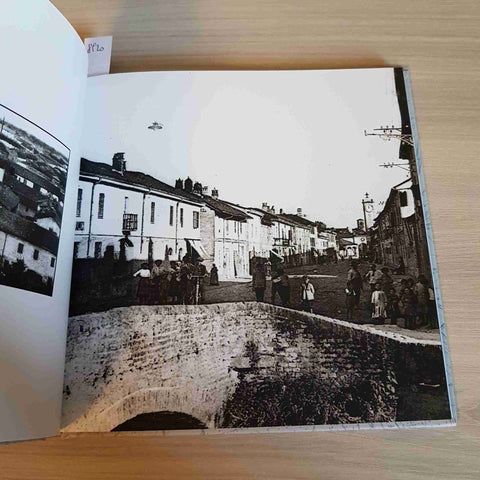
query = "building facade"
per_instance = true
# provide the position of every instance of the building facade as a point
(130, 214)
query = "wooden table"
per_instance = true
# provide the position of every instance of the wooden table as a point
(439, 41)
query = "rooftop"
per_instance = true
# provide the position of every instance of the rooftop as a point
(24, 229)
(87, 167)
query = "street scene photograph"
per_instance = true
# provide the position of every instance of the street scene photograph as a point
(33, 173)
(251, 251)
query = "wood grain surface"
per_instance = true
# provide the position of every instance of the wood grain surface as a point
(439, 41)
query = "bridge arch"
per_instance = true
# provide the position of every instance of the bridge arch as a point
(184, 400)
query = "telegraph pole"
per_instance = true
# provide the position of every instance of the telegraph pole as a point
(387, 133)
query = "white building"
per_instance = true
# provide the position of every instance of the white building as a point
(23, 240)
(225, 237)
(120, 210)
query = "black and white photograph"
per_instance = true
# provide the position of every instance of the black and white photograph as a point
(33, 173)
(251, 251)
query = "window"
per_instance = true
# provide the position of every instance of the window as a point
(35, 254)
(79, 202)
(171, 214)
(195, 219)
(226, 226)
(79, 225)
(152, 212)
(125, 205)
(235, 227)
(29, 183)
(181, 217)
(101, 205)
(403, 198)
(76, 248)
(52, 262)
(20, 248)
(98, 250)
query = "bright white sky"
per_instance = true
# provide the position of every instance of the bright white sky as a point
(289, 138)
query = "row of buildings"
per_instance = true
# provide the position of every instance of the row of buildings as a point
(129, 214)
(31, 208)
(398, 235)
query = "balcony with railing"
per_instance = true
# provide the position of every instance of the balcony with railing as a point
(281, 242)
(130, 222)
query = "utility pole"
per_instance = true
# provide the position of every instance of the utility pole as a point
(387, 133)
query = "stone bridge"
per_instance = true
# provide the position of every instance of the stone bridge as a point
(135, 360)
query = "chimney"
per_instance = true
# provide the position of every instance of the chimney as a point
(214, 193)
(272, 209)
(188, 184)
(205, 190)
(179, 183)
(299, 212)
(197, 188)
(119, 164)
(281, 211)
(265, 207)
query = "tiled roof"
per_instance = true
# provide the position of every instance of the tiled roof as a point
(225, 209)
(25, 229)
(28, 196)
(133, 178)
(299, 219)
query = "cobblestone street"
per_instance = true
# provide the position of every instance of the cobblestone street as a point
(329, 282)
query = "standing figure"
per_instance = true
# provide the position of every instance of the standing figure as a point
(308, 294)
(214, 275)
(354, 279)
(143, 288)
(351, 300)
(407, 306)
(174, 286)
(379, 304)
(276, 279)
(155, 282)
(373, 277)
(259, 281)
(186, 272)
(199, 274)
(392, 306)
(284, 290)
(421, 291)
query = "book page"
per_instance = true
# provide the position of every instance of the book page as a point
(42, 89)
(252, 254)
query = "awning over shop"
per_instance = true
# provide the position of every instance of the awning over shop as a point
(198, 247)
(276, 254)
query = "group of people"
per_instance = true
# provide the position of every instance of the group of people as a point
(407, 299)
(181, 282)
(281, 286)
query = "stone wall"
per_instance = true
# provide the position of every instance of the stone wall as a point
(188, 359)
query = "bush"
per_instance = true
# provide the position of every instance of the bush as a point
(307, 400)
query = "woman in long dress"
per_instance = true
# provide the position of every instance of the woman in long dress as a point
(143, 288)
(214, 275)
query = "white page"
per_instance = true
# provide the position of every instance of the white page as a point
(42, 87)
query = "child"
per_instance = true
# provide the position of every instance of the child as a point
(379, 304)
(350, 300)
(308, 294)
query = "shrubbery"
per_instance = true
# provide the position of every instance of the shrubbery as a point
(306, 399)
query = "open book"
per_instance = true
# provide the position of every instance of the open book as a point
(210, 250)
